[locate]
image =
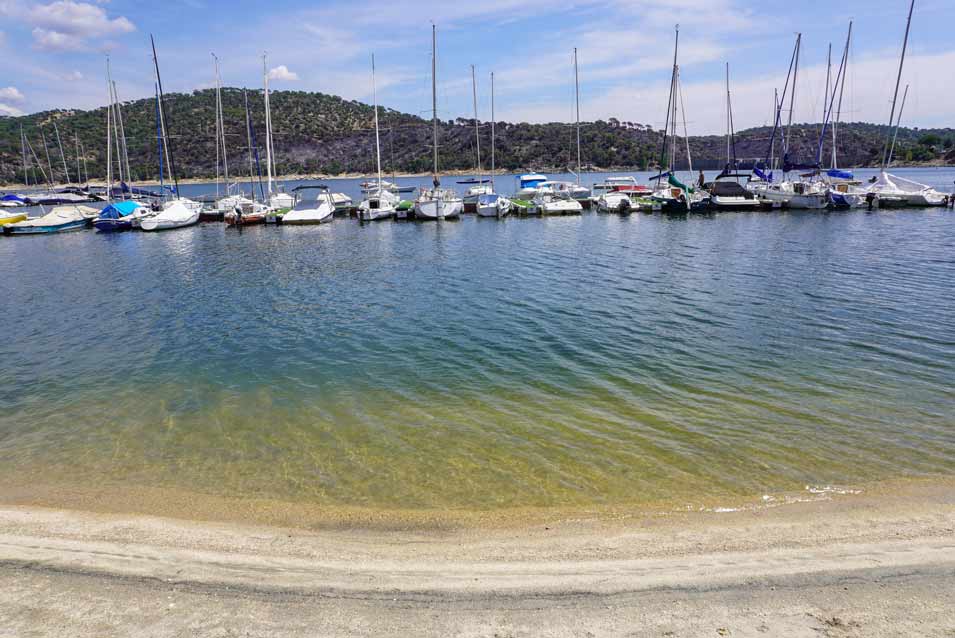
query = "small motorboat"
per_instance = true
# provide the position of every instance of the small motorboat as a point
(319, 210)
(59, 219)
(556, 203)
(493, 205)
(246, 214)
(378, 205)
(726, 194)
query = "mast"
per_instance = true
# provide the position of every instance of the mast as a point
(119, 155)
(666, 124)
(76, 141)
(109, 138)
(122, 134)
(477, 127)
(492, 130)
(772, 141)
(46, 149)
(577, 102)
(686, 134)
(792, 98)
(434, 100)
(162, 120)
(248, 131)
(268, 120)
(215, 64)
(66, 171)
(831, 99)
(842, 87)
(727, 113)
(374, 93)
(159, 143)
(23, 152)
(898, 80)
(898, 122)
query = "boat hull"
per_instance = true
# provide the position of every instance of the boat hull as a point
(13, 229)
(438, 208)
(112, 225)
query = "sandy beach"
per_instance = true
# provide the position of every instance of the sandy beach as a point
(879, 563)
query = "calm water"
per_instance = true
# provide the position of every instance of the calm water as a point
(482, 363)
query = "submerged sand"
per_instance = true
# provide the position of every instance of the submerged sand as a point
(877, 563)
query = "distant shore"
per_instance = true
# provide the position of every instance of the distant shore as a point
(878, 563)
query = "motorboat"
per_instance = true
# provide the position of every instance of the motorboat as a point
(727, 194)
(59, 219)
(317, 210)
(551, 202)
(528, 185)
(246, 214)
(493, 205)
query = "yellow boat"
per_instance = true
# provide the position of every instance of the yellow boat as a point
(10, 218)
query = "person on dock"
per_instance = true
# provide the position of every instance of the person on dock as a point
(701, 182)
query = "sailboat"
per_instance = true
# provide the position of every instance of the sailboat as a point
(479, 185)
(791, 193)
(277, 200)
(726, 193)
(59, 219)
(436, 202)
(578, 192)
(179, 212)
(230, 196)
(674, 196)
(888, 187)
(492, 204)
(248, 212)
(381, 202)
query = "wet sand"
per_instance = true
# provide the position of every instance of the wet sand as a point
(879, 563)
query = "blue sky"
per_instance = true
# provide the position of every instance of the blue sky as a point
(52, 54)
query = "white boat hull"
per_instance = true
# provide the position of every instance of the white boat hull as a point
(321, 215)
(438, 208)
(178, 214)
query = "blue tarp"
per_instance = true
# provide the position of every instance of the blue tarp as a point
(119, 209)
(761, 175)
(12, 198)
(836, 173)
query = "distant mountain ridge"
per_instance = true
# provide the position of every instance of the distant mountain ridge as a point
(316, 133)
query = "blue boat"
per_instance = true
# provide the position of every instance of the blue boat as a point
(116, 217)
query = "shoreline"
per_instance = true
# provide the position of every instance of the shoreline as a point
(804, 568)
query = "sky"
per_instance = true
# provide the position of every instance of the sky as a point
(53, 55)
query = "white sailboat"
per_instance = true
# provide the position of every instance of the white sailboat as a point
(380, 203)
(276, 198)
(493, 204)
(480, 186)
(179, 212)
(578, 192)
(892, 188)
(436, 202)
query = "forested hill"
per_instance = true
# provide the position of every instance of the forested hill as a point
(317, 133)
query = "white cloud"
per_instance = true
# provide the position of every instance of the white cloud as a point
(73, 76)
(66, 25)
(11, 94)
(6, 109)
(281, 72)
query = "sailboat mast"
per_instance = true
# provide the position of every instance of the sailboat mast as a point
(727, 113)
(666, 124)
(477, 126)
(46, 149)
(159, 144)
(374, 94)
(268, 122)
(492, 131)
(898, 81)
(215, 63)
(248, 131)
(76, 141)
(122, 134)
(109, 137)
(59, 144)
(686, 134)
(162, 120)
(23, 152)
(792, 97)
(434, 100)
(898, 122)
(577, 103)
(119, 154)
(842, 87)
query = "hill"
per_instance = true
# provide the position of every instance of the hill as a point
(319, 133)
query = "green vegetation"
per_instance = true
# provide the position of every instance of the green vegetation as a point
(318, 133)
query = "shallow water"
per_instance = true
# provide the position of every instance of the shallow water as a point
(482, 364)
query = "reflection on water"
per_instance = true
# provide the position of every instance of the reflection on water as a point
(484, 363)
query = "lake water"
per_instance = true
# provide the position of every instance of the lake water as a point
(484, 364)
